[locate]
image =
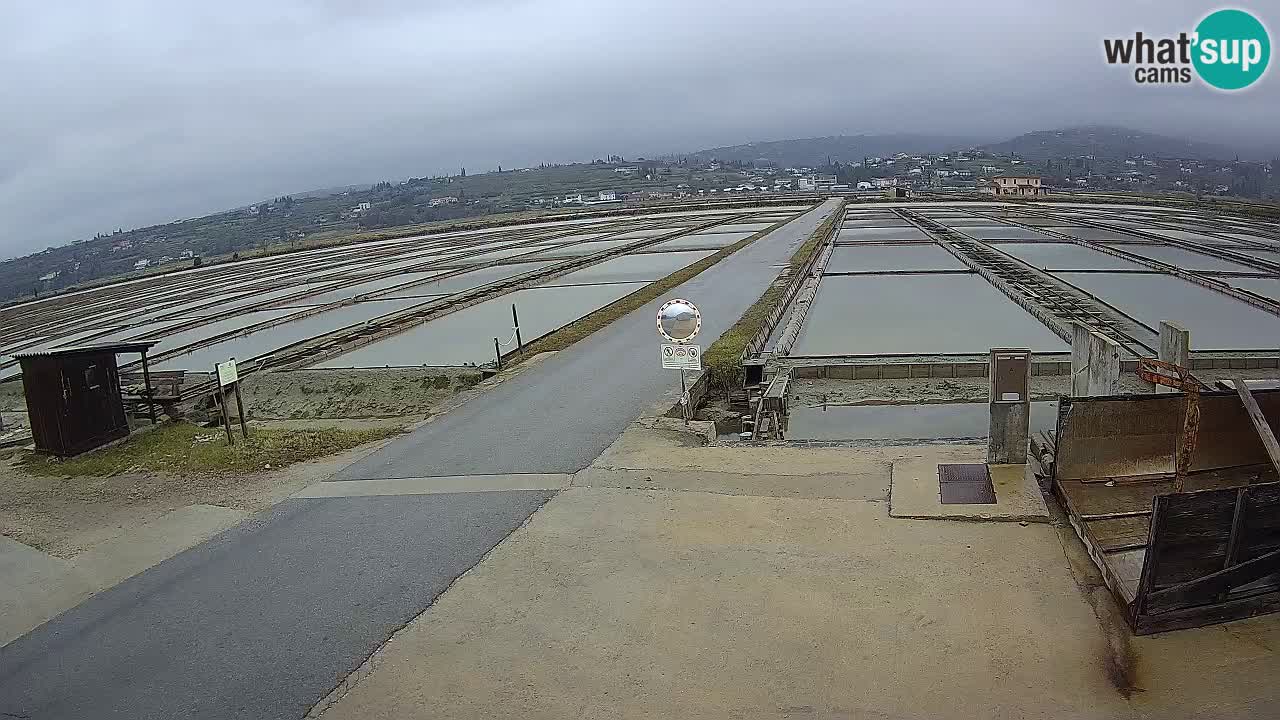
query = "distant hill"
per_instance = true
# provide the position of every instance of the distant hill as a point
(1107, 142)
(811, 152)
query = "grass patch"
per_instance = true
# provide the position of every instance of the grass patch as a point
(573, 332)
(184, 448)
(722, 361)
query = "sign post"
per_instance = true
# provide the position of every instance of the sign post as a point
(679, 321)
(229, 381)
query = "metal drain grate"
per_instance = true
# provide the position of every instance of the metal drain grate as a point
(968, 484)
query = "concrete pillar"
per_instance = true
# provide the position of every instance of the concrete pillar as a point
(1175, 347)
(1009, 370)
(1081, 338)
(1095, 362)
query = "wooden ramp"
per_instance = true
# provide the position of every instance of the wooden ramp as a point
(1174, 559)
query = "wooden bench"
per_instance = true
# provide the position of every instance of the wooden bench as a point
(166, 385)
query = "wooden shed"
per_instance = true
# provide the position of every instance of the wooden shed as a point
(73, 396)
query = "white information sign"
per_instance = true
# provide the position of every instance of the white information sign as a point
(681, 357)
(227, 374)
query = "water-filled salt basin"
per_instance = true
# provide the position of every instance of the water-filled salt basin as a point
(1004, 232)
(1187, 259)
(645, 267)
(1066, 256)
(371, 286)
(193, 305)
(1094, 234)
(873, 223)
(1272, 256)
(469, 280)
(916, 314)
(717, 240)
(466, 336)
(880, 234)
(877, 258)
(243, 347)
(935, 421)
(1266, 287)
(1216, 321)
(1256, 239)
(629, 268)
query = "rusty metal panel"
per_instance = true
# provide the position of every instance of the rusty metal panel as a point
(1117, 436)
(1227, 435)
(1138, 435)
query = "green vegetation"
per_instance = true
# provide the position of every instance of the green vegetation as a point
(722, 362)
(436, 382)
(573, 332)
(183, 448)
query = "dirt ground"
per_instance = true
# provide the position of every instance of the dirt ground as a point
(371, 393)
(64, 516)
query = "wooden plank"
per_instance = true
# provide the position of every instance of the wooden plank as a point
(1092, 499)
(1122, 591)
(1269, 442)
(1159, 516)
(1203, 590)
(1122, 533)
(1236, 539)
(1116, 515)
(1207, 614)
(1195, 531)
(1126, 567)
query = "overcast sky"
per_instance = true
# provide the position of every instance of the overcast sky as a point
(121, 114)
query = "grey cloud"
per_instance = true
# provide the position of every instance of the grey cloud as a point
(127, 113)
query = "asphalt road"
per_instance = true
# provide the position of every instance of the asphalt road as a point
(263, 620)
(560, 415)
(267, 618)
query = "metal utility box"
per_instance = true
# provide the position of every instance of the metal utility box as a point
(73, 397)
(1010, 375)
(1010, 406)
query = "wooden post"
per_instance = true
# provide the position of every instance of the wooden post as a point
(226, 412)
(146, 383)
(1175, 347)
(226, 415)
(515, 320)
(244, 428)
(1259, 421)
(497, 353)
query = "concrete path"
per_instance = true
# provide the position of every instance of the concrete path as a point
(714, 591)
(557, 417)
(265, 619)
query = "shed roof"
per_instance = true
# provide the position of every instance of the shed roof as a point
(123, 347)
